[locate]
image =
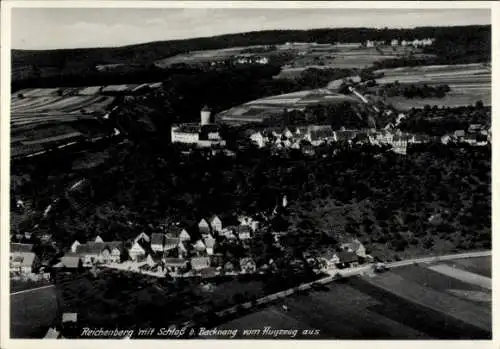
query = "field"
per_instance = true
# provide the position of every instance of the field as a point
(44, 118)
(412, 302)
(468, 84)
(261, 109)
(32, 312)
(196, 57)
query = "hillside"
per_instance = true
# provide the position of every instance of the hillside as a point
(453, 45)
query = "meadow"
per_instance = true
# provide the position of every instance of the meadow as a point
(469, 83)
(412, 302)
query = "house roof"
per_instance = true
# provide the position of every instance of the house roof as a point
(174, 261)
(213, 217)
(199, 245)
(26, 259)
(157, 239)
(142, 235)
(347, 257)
(52, 334)
(172, 241)
(210, 242)
(70, 261)
(200, 261)
(353, 244)
(16, 247)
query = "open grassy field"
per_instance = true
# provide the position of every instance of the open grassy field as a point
(32, 312)
(412, 302)
(481, 266)
(260, 109)
(468, 83)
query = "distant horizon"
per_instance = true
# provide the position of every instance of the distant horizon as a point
(237, 33)
(87, 28)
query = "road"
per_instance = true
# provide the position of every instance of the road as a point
(333, 273)
(31, 290)
(359, 270)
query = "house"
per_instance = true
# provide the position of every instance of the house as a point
(23, 262)
(287, 133)
(136, 251)
(244, 232)
(204, 227)
(258, 139)
(174, 231)
(355, 246)
(199, 263)
(174, 265)
(18, 247)
(171, 244)
(248, 265)
(209, 244)
(182, 250)
(216, 223)
(115, 251)
(217, 260)
(92, 253)
(142, 236)
(69, 317)
(157, 241)
(184, 236)
(150, 260)
(394, 42)
(244, 220)
(347, 259)
(98, 239)
(70, 262)
(52, 334)
(229, 231)
(199, 246)
(331, 260)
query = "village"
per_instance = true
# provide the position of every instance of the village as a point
(175, 254)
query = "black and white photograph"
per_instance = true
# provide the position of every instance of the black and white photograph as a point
(247, 172)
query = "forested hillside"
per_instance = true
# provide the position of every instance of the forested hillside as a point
(453, 45)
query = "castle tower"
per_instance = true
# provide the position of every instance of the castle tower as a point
(205, 115)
